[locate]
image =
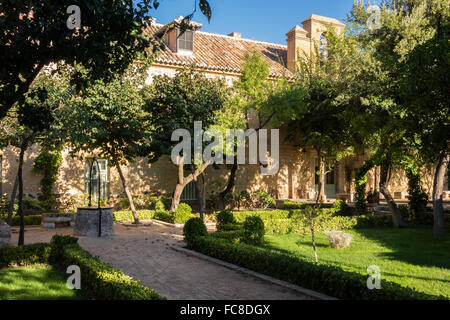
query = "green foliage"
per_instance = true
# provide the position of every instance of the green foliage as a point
(264, 200)
(124, 216)
(417, 197)
(30, 220)
(176, 102)
(194, 228)
(235, 236)
(253, 230)
(182, 214)
(167, 201)
(341, 208)
(224, 217)
(105, 282)
(324, 278)
(230, 227)
(360, 186)
(159, 206)
(103, 50)
(24, 255)
(48, 163)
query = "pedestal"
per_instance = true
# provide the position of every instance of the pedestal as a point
(87, 222)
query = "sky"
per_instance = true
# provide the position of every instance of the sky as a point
(263, 20)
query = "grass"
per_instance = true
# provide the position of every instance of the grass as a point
(410, 257)
(36, 282)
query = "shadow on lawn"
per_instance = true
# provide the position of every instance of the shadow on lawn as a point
(416, 245)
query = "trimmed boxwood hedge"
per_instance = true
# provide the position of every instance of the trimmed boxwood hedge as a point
(124, 216)
(98, 278)
(327, 279)
(24, 255)
(30, 220)
(102, 280)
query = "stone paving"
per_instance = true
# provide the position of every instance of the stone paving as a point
(144, 253)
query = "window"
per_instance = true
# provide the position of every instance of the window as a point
(186, 41)
(104, 181)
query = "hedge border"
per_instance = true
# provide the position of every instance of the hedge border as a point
(327, 279)
(100, 279)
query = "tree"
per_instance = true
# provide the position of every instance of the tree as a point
(307, 107)
(35, 33)
(409, 69)
(175, 103)
(247, 96)
(30, 123)
(426, 93)
(108, 118)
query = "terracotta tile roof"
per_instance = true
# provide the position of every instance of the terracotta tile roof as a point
(223, 53)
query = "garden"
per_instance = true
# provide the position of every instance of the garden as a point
(41, 267)
(279, 243)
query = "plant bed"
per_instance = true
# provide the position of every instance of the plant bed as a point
(36, 282)
(325, 277)
(99, 280)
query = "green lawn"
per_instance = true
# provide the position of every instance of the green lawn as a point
(37, 282)
(410, 257)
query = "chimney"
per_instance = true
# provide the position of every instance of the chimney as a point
(235, 35)
(297, 43)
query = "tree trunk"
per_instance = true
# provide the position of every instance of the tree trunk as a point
(13, 200)
(127, 191)
(438, 188)
(20, 178)
(393, 208)
(183, 182)
(197, 193)
(230, 185)
(321, 186)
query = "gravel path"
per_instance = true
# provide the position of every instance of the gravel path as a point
(144, 253)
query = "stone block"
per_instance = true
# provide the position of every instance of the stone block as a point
(87, 222)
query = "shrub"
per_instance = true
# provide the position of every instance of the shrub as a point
(233, 236)
(341, 208)
(159, 206)
(231, 227)
(253, 230)
(279, 226)
(123, 216)
(324, 278)
(264, 200)
(167, 201)
(224, 217)
(365, 221)
(290, 205)
(32, 204)
(193, 228)
(24, 255)
(102, 280)
(31, 220)
(165, 216)
(183, 213)
(339, 239)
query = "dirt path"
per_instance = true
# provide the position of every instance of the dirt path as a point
(144, 253)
